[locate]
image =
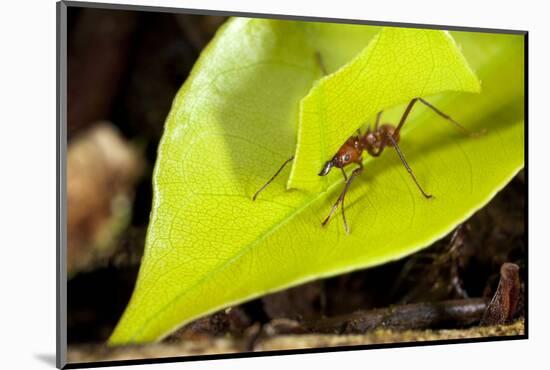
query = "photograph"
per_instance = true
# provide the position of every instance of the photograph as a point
(242, 184)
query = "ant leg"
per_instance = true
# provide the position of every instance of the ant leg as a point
(340, 199)
(398, 150)
(405, 115)
(378, 116)
(344, 173)
(320, 62)
(272, 177)
(449, 118)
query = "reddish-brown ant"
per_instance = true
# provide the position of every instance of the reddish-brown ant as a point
(374, 142)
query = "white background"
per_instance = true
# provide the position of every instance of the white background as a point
(27, 186)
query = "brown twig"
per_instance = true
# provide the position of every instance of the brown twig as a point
(503, 306)
(452, 313)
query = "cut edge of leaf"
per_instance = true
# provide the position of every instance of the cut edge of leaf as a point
(475, 88)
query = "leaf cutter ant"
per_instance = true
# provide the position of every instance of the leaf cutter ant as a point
(373, 142)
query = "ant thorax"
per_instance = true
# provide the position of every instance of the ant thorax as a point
(374, 142)
(371, 139)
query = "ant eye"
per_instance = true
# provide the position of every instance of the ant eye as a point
(346, 157)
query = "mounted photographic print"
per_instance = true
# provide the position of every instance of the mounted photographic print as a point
(241, 184)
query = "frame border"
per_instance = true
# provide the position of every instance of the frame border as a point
(161, 9)
(61, 187)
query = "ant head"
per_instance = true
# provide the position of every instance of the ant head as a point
(346, 155)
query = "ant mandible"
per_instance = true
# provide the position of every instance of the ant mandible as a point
(373, 142)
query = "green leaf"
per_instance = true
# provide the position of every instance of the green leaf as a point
(234, 123)
(397, 66)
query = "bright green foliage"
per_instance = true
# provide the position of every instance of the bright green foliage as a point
(234, 122)
(398, 65)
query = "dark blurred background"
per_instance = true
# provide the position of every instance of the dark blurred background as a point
(124, 69)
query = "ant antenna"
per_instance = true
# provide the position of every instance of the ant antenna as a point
(320, 62)
(272, 178)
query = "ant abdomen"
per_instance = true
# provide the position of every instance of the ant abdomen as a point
(374, 141)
